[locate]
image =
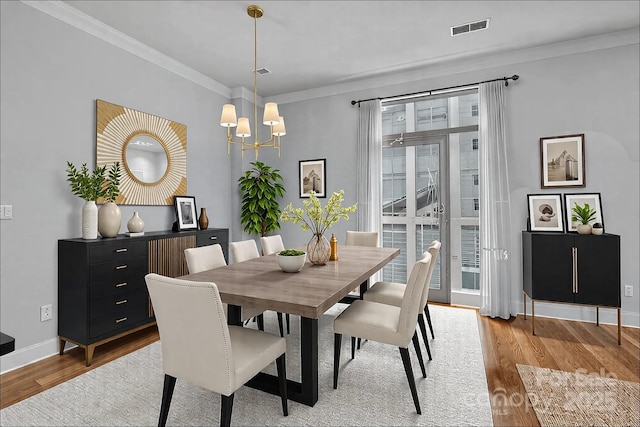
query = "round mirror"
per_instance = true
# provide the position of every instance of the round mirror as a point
(146, 158)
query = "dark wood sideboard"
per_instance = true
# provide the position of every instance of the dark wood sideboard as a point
(102, 295)
(571, 268)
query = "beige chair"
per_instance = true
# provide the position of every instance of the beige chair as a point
(199, 347)
(391, 293)
(245, 250)
(386, 324)
(360, 238)
(272, 245)
(207, 258)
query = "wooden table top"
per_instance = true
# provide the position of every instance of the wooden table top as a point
(312, 291)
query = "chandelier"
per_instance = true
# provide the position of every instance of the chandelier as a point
(271, 116)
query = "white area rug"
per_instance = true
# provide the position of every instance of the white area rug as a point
(372, 389)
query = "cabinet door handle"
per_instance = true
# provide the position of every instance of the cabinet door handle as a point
(122, 250)
(119, 285)
(120, 267)
(213, 237)
(124, 301)
(121, 320)
(574, 278)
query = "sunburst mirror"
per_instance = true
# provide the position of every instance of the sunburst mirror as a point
(152, 152)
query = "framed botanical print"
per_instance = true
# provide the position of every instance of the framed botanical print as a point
(581, 201)
(562, 161)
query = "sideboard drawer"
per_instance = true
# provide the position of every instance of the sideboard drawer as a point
(117, 304)
(132, 280)
(117, 251)
(118, 316)
(211, 237)
(118, 270)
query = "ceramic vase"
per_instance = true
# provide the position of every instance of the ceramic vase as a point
(318, 250)
(204, 220)
(109, 220)
(90, 220)
(583, 229)
(135, 224)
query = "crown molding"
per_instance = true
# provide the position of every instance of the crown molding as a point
(86, 23)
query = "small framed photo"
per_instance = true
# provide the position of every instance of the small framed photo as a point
(545, 212)
(186, 212)
(313, 177)
(562, 161)
(573, 200)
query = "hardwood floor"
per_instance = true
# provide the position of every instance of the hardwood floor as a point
(558, 344)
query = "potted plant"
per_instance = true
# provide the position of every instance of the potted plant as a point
(312, 216)
(109, 215)
(261, 187)
(291, 260)
(584, 215)
(90, 186)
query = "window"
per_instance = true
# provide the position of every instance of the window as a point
(474, 110)
(475, 143)
(476, 204)
(475, 179)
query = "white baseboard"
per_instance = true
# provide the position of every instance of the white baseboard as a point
(25, 356)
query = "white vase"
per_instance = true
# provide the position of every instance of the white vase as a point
(89, 220)
(109, 220)
(135, 224)
(291, 264)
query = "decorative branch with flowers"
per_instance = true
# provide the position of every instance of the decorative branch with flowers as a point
(312, 216)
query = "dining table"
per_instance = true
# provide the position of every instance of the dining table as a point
(309, 293)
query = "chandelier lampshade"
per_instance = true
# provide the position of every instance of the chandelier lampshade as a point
(271, 115)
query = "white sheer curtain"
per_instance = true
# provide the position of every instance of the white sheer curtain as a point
(369, 167)
(495, 205)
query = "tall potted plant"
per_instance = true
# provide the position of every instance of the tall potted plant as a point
(90, 187)
(261, 187)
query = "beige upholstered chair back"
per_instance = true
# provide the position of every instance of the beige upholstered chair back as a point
(193, 332)
(244, 250)
(434, 249)
(361, 238)
(204, 258)
(271, 244)
(413, 297)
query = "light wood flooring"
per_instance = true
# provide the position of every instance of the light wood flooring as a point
(558, 344)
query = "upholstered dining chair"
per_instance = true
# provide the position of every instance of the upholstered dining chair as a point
(199, 347)
(209, 257)
(245, 250)
(361, 238)
(272, 245)
(392, 293)
(386, 324)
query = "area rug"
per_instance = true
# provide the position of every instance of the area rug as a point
(580, 399)
(372, 389)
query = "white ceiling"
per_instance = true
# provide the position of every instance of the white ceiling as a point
(311, 44)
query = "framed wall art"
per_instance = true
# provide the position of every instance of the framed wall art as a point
(594, 202)
(151, 150)
(186, 212)
(562, 161)
(313, 177)
(545, 212)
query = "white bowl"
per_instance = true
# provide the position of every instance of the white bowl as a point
(291, 264)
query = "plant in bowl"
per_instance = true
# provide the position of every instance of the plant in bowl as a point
(291, 260)
(584, 215)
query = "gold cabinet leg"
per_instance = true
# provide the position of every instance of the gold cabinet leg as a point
(88, 354)
(524, 299)
(533, 318)
(61, 343)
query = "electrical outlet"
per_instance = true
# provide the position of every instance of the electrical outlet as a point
(628, 291)
(8, 211)
(45, 313)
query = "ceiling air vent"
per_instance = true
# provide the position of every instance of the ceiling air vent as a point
(472, 26)
(263, 71)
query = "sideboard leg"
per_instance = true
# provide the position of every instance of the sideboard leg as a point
(597, 316)
(61, 343)
(88, 354)
(533, 318)
(524, 301)
(619, 328)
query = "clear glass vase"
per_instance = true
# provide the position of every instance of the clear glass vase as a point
(318, 249)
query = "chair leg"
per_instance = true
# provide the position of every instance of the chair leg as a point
(337, 343)
(225, 410)
(261, 321)
(288, 323)
(423, 329)
(416, 345)
(167, 394)
(404, 352)
(426, 313)
(353, 348)
(282, 383)
(280, 327)
(359, 342)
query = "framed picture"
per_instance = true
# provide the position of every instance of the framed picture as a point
(545, 212)
(186, 212)
(562, 161)
(592, 199)
(313, 177)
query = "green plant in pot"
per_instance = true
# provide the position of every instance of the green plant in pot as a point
(291, 260)
(261, 186)
(584, 215)
(91, 186)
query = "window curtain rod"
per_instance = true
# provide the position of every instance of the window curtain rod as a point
(429, 92)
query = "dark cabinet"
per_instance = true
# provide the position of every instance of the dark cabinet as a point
(102, 294)
(572, 268)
